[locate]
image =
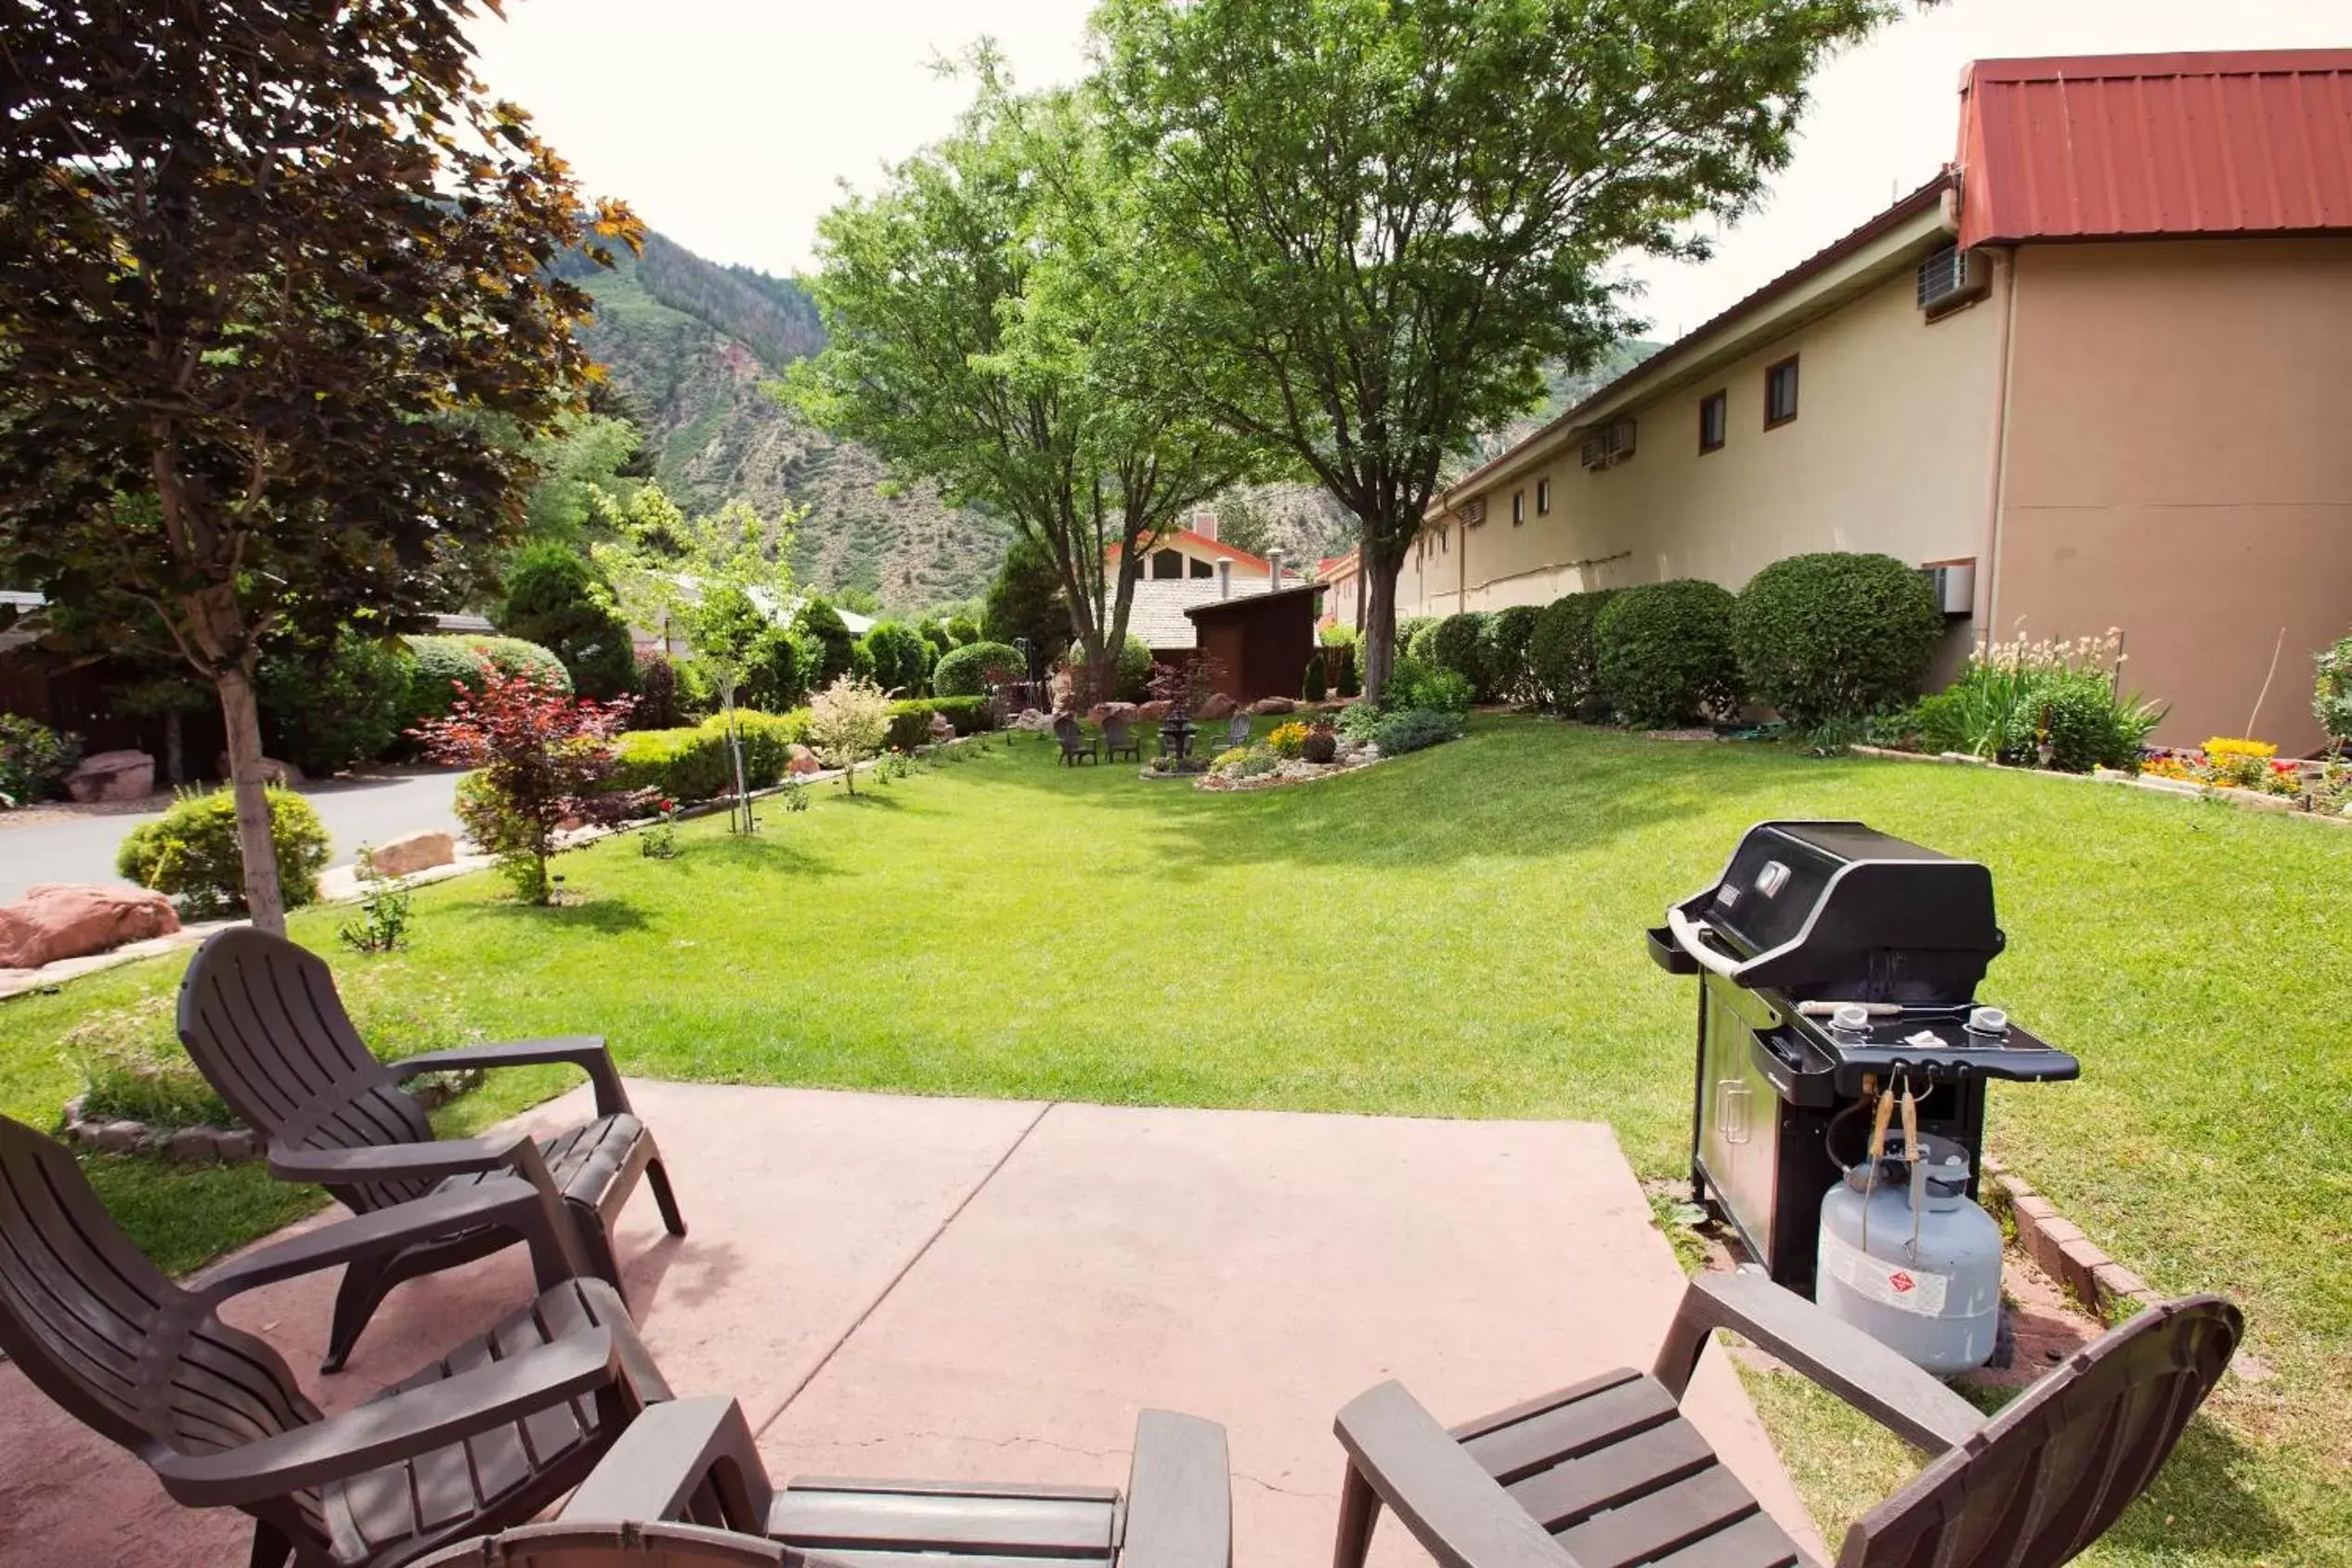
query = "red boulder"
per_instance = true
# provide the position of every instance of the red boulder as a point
(57, 920)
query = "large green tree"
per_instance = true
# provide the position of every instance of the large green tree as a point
(976, 307)
(275, 320)
(1367, 224)
(1026, 606)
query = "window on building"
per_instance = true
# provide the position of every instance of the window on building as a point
(1714, 421)
(1202, 569)
(1518, 507)
(1166, 563)
(1543, 497)
(1780, 391)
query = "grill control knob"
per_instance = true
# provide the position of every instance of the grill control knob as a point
(1988, 1020)
(1851, 1016)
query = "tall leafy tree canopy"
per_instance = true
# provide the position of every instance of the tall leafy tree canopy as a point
(1366, 224)
(277, 323)
(976, 308)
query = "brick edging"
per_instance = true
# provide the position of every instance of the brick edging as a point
(2059, 1245)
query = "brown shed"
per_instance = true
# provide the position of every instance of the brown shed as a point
(1263, 641)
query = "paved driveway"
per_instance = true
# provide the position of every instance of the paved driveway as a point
(356, 811)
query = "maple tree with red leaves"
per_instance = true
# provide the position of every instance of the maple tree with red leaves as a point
(541, 759)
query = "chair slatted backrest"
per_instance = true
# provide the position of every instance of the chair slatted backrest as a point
(2046, 1477)
(260, 1017)
(1237, 732)
(565, 1544)
(1114, 732)
(98, 1328)
(1066, 731)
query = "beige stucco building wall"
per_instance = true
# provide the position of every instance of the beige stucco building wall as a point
(2179, 465)
(1891, 450)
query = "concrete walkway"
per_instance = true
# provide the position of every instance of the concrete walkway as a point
(991, 1290)
(61, 848)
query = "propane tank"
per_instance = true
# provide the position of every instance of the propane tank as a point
(1907, 1258)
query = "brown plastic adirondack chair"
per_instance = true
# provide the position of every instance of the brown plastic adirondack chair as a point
(1237, 731)
(693, 1460)
(262, 1021)
(1608, 1472)
(487, 1437)
(1118, 740)
(1075, 747)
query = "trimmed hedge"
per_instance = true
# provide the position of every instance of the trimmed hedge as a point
(959, 674)
(190, 852)
(1835, 636)
(1459, 644)
(900, 656)
(1560, 656)
(444, 662)
(691, 764)
(1510, 635)
(1664, 655)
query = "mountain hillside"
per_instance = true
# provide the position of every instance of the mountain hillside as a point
(690, 342)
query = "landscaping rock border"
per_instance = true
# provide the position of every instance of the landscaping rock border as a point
(2059, 1246)
(2244, 800)
(227, 1145)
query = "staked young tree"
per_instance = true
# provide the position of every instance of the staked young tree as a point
(975, 307)
(276, 325)
(1367, 224)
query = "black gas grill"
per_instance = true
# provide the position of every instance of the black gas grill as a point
(1835, 964)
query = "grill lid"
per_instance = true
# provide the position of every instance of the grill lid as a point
(1817, 908)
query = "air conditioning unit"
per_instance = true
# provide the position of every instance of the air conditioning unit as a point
(1953, 585)
(1596, 451)
(1951, 276)
(1619, 436)
(1475, 512)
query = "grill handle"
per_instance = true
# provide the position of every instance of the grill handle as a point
(1690, 935)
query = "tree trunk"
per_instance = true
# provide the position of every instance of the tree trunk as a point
(242, 713)
(175, 765)
(1379, 624)
(739, 814)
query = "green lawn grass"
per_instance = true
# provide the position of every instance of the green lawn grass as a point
(1457, 933)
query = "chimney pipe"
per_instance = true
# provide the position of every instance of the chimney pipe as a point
(1225, 579)
(1205, 524)
(1273, 570)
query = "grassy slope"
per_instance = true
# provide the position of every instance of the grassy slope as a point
(1458, 933)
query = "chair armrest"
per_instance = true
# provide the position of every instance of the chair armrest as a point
(662, 1463)
(1457, 1512)
(387, 1431)
(562, 1258)
(504, 1201)
(1834, 1353)
(1179, 1494)
(584, 1051)
(392, 1162)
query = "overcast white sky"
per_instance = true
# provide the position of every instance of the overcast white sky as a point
(726, 124)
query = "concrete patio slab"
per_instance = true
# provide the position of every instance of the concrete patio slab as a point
(992, 1289)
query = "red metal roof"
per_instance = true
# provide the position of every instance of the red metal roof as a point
(2141, 146)
(1201, 542)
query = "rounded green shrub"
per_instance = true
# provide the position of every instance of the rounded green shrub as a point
(1836, 635)
(327, 709)
(1560, 659)
(1128, 677)
(1459, 643)
(442, 664)
(1412, 636)
(190, 852)
(965, 672)
(1318, 683)
(1415, 683)
(1509, 636)
(1663, 653)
